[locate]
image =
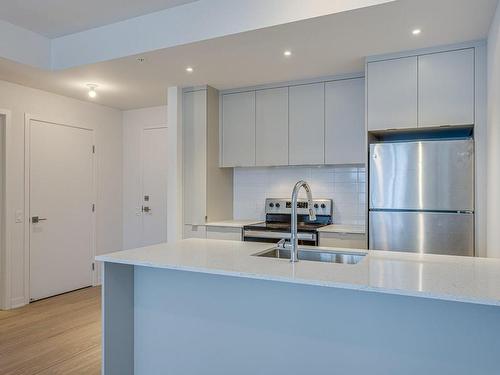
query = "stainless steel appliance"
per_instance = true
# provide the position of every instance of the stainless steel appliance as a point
(279, 217)
(421, 196)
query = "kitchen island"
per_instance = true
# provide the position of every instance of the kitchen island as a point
(213, 307)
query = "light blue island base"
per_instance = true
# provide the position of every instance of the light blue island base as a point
(160, 321)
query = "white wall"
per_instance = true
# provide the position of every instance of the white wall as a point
(344, 184)
(134, 122)
(107, 123)
(493, 232)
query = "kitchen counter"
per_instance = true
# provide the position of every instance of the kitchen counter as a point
(343, 228)
(233, 223)
(451, 278)
(210, 307)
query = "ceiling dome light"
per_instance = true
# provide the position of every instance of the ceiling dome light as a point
(287, 53)
(92, 93)
(416, 32)
(189, 69)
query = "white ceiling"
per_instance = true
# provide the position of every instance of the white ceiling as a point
(54, 18)
(328, 45)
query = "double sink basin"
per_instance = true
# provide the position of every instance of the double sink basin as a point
(325, 256)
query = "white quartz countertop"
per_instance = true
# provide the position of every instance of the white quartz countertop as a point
(343, 228)
(233, 223)
(451, 278)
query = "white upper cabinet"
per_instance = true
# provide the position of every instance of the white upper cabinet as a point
(446, 88)
(238, 129)
(392, 94)
(195, 155)
(207, 189)
(307, 124)
(345, 122)
(272, 127)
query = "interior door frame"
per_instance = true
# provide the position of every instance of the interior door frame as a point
(145, 128)
(7, 215)
(27, 213)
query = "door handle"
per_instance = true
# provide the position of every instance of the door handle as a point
(146, 209)
(36, 219)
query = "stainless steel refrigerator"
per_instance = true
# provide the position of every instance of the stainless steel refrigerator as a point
(421, 196)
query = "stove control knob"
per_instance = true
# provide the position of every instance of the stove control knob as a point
(271, 205)
(277, 205)
(316, 205)
(323, 205)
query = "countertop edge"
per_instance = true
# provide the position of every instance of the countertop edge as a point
(358, 287)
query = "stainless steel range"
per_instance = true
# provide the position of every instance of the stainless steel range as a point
(278, 221)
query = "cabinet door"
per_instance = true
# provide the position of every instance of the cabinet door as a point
(446, 88)
(224, 233)
(238, 129)
(307, 124)
(392, 94)
(194, 231)
(272, 127)
(343, 240)
(345, 122)
(194, 154)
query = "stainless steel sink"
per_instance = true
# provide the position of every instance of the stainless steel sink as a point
(314, 255)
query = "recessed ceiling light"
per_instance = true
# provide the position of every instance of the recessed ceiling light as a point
(189, 69)
(287, 53)
(416, 31)
(92, 92)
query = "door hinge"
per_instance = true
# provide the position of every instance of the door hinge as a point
(93, 266)
(93, 207)
(93, 149)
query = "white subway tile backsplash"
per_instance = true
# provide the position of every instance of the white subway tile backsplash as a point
(344, 184)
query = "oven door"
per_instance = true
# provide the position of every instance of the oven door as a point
(253, 235)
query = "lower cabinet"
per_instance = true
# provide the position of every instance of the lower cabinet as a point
(194, 231)
(343, 240)
(213, 232)
(224, 233)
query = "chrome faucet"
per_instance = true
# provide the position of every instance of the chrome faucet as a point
(294, 240)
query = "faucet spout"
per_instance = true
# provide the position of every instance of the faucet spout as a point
(294, 241)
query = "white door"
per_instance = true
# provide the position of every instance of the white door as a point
(61, 215)
(154, 182)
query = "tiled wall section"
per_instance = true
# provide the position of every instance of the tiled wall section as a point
(346, 185)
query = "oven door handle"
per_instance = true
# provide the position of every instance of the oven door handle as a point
(278, 235)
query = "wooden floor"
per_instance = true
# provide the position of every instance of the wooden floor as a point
(58, 335)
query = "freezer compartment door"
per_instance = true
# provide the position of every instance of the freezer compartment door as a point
(422, 232)
(424, 175)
